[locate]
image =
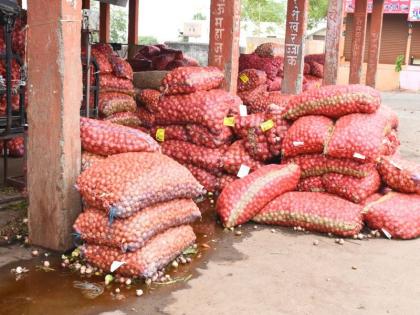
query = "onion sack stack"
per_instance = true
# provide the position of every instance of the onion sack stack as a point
(138, 202)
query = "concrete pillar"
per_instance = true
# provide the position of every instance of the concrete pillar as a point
(55, 93)
(332, 41)
(133, 26)
(297, 11)
(358, 44)
(225, 19)
(104, 22)
(374, 41)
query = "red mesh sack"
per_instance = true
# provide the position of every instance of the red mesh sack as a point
(395, 214)
(125, 183)
(334, 101)
(359, 136)
(207, 179)
(319, 164)
(314, 211)
(225, 180)
(145, 262)
(16, 147)
(270, 66)
(320, 58)
(149, 98)
(241, 200)
(244, 123)
(105, 138)
(307, 135)
(352, 188)
(188, 153)
(147, 118)
(269, 50)
(109, 82)
(102, 59)
(89, 159)
(128, 119)
(276, 134)
(148, 51)
(103, 48)
(311, 184)
(167, 133)
(248, 97)
(390, 143)
(132, 233)
(192, 79)
(111, 103)
(249, 79)
(205, 108)
(311, 82)
(161, 62)
(317, 69)
(121, 68)
(306, 68)
(274, 85)
(399, 174)
(201, 136)
(236, 156)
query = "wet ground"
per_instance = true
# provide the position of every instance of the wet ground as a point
(264, 270)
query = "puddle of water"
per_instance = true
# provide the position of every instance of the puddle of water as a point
(41, 292)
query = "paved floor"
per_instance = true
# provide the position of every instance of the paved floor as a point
(262, 272)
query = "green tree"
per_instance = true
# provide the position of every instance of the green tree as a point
(199, 17)
(119, 25)
(318, 10)
(147, 40)
(263, 11)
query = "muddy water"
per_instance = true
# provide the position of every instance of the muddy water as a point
(41, 292)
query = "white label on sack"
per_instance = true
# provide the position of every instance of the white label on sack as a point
(243, 110)
(298, 143)
(387, 234)
(116, 264)
(243, 171)
(359, 156)
(395, 165)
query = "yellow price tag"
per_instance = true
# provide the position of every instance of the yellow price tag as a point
(267, 125)
(160, 134)
(244, 78)
(229, 121)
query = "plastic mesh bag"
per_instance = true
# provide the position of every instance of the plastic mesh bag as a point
(311, 184)
(205, 108)
(307, 135)
(314, 211)
(236, 156)
(145, 262)
(121, 68)
(201, 136)
(205, 178)
(352, 188)
(241, 200)
(359, 136)
(132, 233)
(125, 183)
(167, 133)
(188, 153)
(399, 174)
(128, 119)
(269, 50)
(270, 66)
(334, 101)
(109, 82)
(105, 138)
(319, 164)
(89, 159)
(395, 214)
(111, 103)
(192, 79)
(249, 79)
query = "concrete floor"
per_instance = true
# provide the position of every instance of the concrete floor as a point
(282, 272)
